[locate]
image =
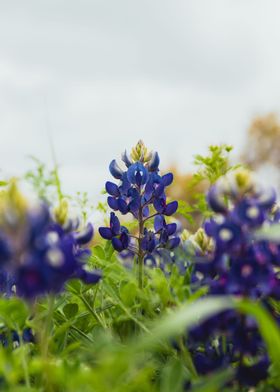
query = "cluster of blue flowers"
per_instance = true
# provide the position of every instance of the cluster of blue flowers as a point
(140, 192)
(37, 254)
(13, 339)
(240, 263)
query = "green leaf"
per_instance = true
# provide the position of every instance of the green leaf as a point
(185, 210)
(13, 312)
(214, 382)
(172, 376)
(74, 286)
(128, 293)
(70, 310)
(99, 252)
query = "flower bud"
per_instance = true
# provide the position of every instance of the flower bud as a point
(61, 212)
(140, 153)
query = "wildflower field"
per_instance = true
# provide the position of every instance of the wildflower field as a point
(165, 295)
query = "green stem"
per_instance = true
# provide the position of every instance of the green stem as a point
(91, 310)
(24, 363)
(44, 334)
(188, 359)
(140, 252)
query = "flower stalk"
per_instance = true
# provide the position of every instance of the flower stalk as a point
(140, 192)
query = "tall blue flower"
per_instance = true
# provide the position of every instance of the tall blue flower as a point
(240, 264)
(140, 192)
(38, 254)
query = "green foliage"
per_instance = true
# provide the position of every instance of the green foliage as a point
(45, 182)
(214, 165)
(201, 205)
(209, 169)
(84, 205)
(114, 336)
(185, 210)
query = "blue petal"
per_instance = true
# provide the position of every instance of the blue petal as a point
(122, 206)
(5, 249)
(117, 244)
(124, 237)
(150, 261)
(125, 185)
(216, 200)
(171, 228)
(154, 162)
(159, 223)
(113, 203)
(137, 174)
(167, 179)
(138, 178)
(148, 245)
(159, 190)
(115, 224)
(84, 236)
(146, 211)
(27, 335)
(134, 205)
(171, 208)
(163, 237)
(149, 189)
(126, 159)
(159, 205)
(91, 277)
(173, 242)
(115, 170)
(267, 198)
(210, 227)
(105, 233)
(112, 189)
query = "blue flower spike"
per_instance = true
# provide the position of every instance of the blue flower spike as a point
(241, 264)
(41, 251)
(141, 193)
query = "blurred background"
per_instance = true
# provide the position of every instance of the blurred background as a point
(96, 76)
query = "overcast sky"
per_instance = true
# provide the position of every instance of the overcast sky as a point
(99, 75)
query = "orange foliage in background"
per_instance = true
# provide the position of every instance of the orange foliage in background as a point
(184, 189)
(263, 142)
(182, 186)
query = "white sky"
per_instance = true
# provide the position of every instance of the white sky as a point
(99, 75)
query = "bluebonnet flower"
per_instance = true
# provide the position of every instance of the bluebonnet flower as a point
(116, 233)
(251, 375)
(148, 242)
(239, 264)
(13, 338)
(140, 192)
(211, 358)
(41, 255)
